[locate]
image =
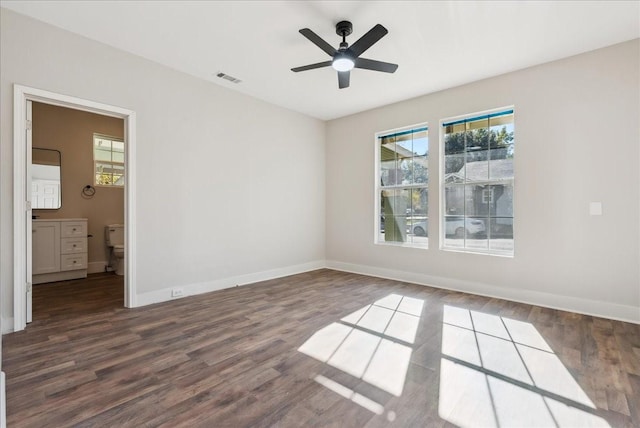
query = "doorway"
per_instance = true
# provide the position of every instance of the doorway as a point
(23, 96)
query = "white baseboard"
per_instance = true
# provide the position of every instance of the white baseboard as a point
(573, 304)
(96, 267)
(3, 401)
(164, 295)
(7, 325)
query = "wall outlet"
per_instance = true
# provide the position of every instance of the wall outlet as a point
(177, 292)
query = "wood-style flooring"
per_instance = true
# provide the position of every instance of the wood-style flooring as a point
(323, 348)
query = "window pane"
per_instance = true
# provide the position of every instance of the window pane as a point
(500, 200)
(454, 143)
(454, 200)
(103, 178)
(420, 143)
(404, 144)
(502, 120)
(419, 227)
(453, 168)
(420, 201)
(118, 157)
(478, 124)
(454, 226)
(395, 229)
(388, 168)
(102, 155)
(475, 229)
(118, 180)
(501, 164)
(118, 146)
(476, 200)
(420, 170)
(394, 208)
(406, 170)
(102, 144)
(476, 170)
(501, 228)
(401, 202)
(417, 220)
(501, 234)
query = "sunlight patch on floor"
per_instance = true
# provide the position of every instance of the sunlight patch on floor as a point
(498, 372)
(372, 344)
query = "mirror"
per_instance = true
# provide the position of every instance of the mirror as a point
(46, 190)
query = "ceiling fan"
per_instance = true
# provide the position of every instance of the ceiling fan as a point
(346, 57)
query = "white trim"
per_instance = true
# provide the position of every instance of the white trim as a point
(3, 401)
(96, 267)
(20, 195)
(596, 308)
(130, 210)
(7, 325)
(164, 295)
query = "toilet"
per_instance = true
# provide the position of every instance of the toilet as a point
(114, 236)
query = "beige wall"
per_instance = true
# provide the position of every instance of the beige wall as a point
(71, 132)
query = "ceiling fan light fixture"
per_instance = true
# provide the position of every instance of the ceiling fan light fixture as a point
(343, 63)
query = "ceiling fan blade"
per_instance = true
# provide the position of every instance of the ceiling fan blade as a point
(366, 41)
(312, 66)
(370, 64)
(343, 79)
(318, 41)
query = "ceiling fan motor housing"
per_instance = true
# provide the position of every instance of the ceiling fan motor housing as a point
(344, 28)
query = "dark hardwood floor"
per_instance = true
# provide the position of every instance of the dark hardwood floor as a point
(323, 348)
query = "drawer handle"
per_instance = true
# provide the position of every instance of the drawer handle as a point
(74, 262)
(74, 245)
(74, 229)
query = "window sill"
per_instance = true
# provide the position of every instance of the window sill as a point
(508, 255)
(402, 244)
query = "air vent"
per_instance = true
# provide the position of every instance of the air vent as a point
(229, 78)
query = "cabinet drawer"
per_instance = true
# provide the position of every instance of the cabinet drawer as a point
(73, 261)
(73, 229)
(73, 245)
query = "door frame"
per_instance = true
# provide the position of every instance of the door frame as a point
(22, 198)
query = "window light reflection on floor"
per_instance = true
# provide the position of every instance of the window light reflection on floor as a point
(498, 372)
(372, 344)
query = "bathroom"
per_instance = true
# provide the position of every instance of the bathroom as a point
(87, 207)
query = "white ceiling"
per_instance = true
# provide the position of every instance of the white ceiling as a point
(437, 44)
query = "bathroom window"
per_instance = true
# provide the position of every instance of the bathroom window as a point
(108, 161)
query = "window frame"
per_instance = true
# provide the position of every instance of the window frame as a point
(93, 154)
(378, 187)
(442, 216)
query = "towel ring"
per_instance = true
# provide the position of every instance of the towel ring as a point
(88, 191)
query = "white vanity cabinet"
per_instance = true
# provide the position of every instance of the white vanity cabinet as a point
(59, 250)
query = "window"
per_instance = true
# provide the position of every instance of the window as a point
(477, 177)
(402, 196)
(108, 161)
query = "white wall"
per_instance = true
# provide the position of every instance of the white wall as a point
(577, 141)
(229, 188)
